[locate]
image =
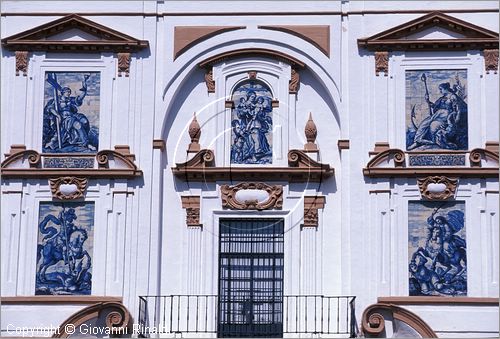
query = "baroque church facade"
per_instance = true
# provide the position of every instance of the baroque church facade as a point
(235, 169)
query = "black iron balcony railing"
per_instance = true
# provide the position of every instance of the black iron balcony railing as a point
(299, 314)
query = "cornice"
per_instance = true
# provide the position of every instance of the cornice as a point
(300, 168)
(396, 38)
(106, 39)
(25, 164)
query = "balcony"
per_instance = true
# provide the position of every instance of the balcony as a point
(208, 316)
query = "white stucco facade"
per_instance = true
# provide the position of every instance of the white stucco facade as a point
(141, 244)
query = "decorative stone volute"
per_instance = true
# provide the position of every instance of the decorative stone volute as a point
(194, 134)
(311, 133)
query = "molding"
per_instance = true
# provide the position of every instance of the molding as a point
(396, 38)
(311, 206)
(343, 144)
(117, 319)
(111, 164)
(274, 201)
(209, 79)
(424, 300)
(294, 83)
(21, 62)
(490, 153)
(192, 206)
(58, 299)
(447, 193)
(490, 60)
(388, 154)
(373, 322)
(391, 162)
(107, 39)
(379, 147)
(382, 63)
(301, 168)
(79, 183)
(123, 64)
(247, 52)
(380, 192)
(159, 144)
(317, 35)
(186, 37)
(313, 13)
(311, 132)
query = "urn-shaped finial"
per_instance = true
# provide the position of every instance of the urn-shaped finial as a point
(311, 133)
(194, 134)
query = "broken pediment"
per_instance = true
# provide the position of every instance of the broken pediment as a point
(434, 31)
(201, 168)
(386, 162)
(108, 164)
(73, 33)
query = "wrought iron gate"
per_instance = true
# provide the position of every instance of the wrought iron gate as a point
(251, 278)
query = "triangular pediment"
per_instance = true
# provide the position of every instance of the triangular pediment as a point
(73, 33)
(435, 30)
(435, 33)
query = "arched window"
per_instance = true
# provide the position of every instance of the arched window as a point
(252, 124)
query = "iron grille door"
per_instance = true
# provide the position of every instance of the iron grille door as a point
(251, 278)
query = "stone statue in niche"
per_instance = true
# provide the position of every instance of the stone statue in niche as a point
(64, 250)
(71, 112)
(252, 124)
(436, 110)
(437, 249)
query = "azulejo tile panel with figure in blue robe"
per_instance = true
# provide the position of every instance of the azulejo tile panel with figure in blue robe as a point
(64, 249)
(252, 124)
(437, 248)
(436, 110)
(71, 112)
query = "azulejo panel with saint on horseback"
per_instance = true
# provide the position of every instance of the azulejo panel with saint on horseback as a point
(64, 248)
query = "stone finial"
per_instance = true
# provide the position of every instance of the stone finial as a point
(311, 133)
(194, 134)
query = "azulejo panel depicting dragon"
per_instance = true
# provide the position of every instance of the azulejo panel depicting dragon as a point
(252, 124)
(64, 249)
(437, 248)
(436, 110)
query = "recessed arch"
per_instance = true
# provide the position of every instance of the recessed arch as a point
(209, 51)
(249, 52)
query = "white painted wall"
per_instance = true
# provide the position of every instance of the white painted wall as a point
(142, 245)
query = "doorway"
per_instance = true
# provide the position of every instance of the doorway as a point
(250, 278)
